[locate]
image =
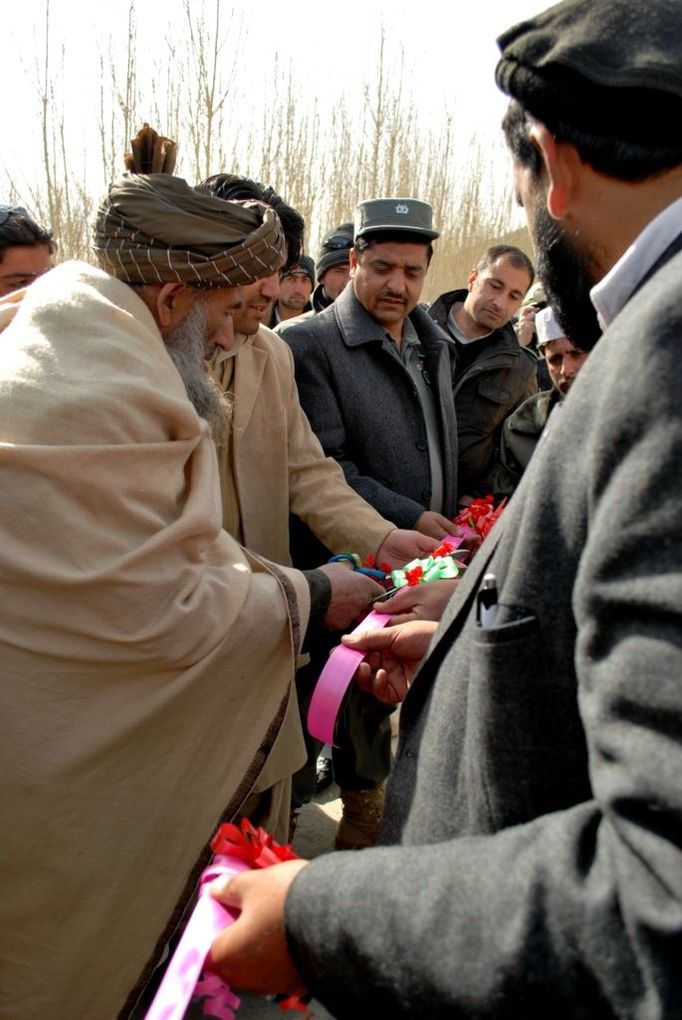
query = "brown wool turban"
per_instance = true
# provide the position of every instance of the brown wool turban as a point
(154, 228)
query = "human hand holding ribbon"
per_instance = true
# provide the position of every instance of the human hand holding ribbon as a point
(236, 849)
(343, 662)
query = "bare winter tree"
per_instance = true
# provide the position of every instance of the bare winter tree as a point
(62, 201)
(210, 84)
(368, 144)
(119, 101)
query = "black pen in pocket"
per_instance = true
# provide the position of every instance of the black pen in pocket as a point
(486, 601)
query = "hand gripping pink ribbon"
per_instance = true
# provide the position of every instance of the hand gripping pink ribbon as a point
(339, 670)
(181, 980)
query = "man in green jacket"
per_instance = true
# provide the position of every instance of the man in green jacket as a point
(525, 426)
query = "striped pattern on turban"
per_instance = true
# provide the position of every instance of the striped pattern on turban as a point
(155, 228)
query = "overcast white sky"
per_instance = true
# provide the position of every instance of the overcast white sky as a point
(449, 50)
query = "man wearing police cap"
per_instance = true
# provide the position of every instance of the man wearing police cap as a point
(533, 827)
(374, 375)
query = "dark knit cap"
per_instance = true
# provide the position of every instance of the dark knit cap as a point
(611, 67)
(304, 264)
(335, 248)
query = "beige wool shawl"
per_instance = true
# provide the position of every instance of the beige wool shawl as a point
(146, 657)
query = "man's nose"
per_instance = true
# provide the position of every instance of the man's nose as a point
(224, 335)
(269, 286)
(396, 282)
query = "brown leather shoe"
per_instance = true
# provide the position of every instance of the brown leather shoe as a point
(361, 820)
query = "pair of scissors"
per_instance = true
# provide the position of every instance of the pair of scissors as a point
(377, 575)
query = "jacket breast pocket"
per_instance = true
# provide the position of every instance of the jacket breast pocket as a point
(494, 391)
(524, 706)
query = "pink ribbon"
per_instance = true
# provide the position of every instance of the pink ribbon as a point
(181, 980)
(334, 681)
(339, 670)
(219, 1000)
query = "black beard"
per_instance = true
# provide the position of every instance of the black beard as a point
(565, 274)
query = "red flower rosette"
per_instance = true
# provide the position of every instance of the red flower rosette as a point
(236, 848)
(255, 847)
(479, 517)
(414, 575)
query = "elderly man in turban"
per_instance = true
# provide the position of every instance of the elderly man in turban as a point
(147, 659)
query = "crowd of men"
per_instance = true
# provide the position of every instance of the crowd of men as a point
(177, 477)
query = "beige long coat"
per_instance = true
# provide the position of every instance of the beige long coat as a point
(276, 465)
(146, 659)
(272, 465)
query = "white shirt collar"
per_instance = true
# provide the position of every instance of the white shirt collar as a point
(615, 289)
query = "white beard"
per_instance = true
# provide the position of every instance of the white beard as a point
(187, 346)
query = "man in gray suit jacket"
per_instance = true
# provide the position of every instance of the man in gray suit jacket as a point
(533, 865)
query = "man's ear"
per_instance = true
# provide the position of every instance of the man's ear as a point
(562, 163)
(173, 302)
(352, 260)
(471, 278)
(169, 303)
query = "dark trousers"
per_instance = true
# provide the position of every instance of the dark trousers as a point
(362, 758)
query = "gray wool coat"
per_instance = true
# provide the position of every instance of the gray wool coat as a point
(537, 793)
(363, 406)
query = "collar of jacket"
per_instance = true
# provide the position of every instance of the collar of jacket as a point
(358, 327)
(440, 309)
(531, 417)
(320, 299)
(505, 352)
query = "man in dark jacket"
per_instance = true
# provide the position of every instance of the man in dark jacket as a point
(332, 268)
(536, 797)
(333, 265)
(296, 282)
(494, 373)
(375, 374)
